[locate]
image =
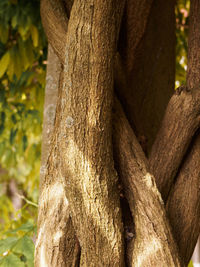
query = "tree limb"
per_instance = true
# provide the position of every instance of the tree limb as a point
(133, 27)
(85, 132)
(183, 204)
(55, 22)
(181, 120)
(153, 243)
(193, 70)
(56, 242)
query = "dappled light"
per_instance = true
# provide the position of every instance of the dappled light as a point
(99, 133)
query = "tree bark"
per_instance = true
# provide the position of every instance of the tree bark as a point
(153, 241)
(183, 204)
(56, 242)
(151, 60)
(179, 125)
(82, 148)
(85, 132)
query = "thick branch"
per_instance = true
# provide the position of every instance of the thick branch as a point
(151, 74)
(193, 71)
(133, 27)
(181, 120)
(85, 132)
(55, 21)
(153, 244)
(184, 200)
(56, 242)
(183, 205)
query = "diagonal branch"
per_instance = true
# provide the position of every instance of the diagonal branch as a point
(133, 27)
(181, 120)
(55, 22)
(193, 70)
(187, 103)
(182, 117)
(55, 233)
(183, 204)
(84, 132)
(153, 244)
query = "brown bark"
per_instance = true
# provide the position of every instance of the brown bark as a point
(182, 117)
(193, 71)
(151, 77)
(183, 206)
(180, 122)
(55, 21)
(153, 242)
(133, 27)
(85, 132)
(84, 135)
(56, 243)
(184, 200)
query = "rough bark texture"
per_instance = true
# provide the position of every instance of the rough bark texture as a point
(183, 206)
(55, 21)
(193, 72)
(56, 243)
(85, 132)
(82, 140)
(153, 243)
(184, 200)
(151, 76)
(180, 122)
(133, 27)
(182, 117)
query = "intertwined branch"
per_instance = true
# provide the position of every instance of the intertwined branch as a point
(176, 173)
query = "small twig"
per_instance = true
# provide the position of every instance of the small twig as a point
(27, 201)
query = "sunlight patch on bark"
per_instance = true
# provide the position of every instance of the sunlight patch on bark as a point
(148, 179)
(150, 249)
(57, 236)
(42, 251)
(151, 184)
(53, 194)
(91, 196)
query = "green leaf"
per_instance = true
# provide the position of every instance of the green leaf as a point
(3, 116)
(1, 128)
(26, 227)
(4, 33)
(11, 261)
(12, 135)
(25, 142)
(4, 63)
(13, 118)
(7, 244)
(14, 21)
(25, 246)
(23, 54)
(190, 264)
(34, 35)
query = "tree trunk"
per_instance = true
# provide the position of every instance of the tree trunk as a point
(80, 217)
(56, 242)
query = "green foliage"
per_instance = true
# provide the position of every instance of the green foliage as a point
(18, 249)
(182, 13)
(190, 264)
(22, 78)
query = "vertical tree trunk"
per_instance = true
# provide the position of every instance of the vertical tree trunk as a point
(85, 132)
(56, 242)
(81, 157)
(150, 67)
